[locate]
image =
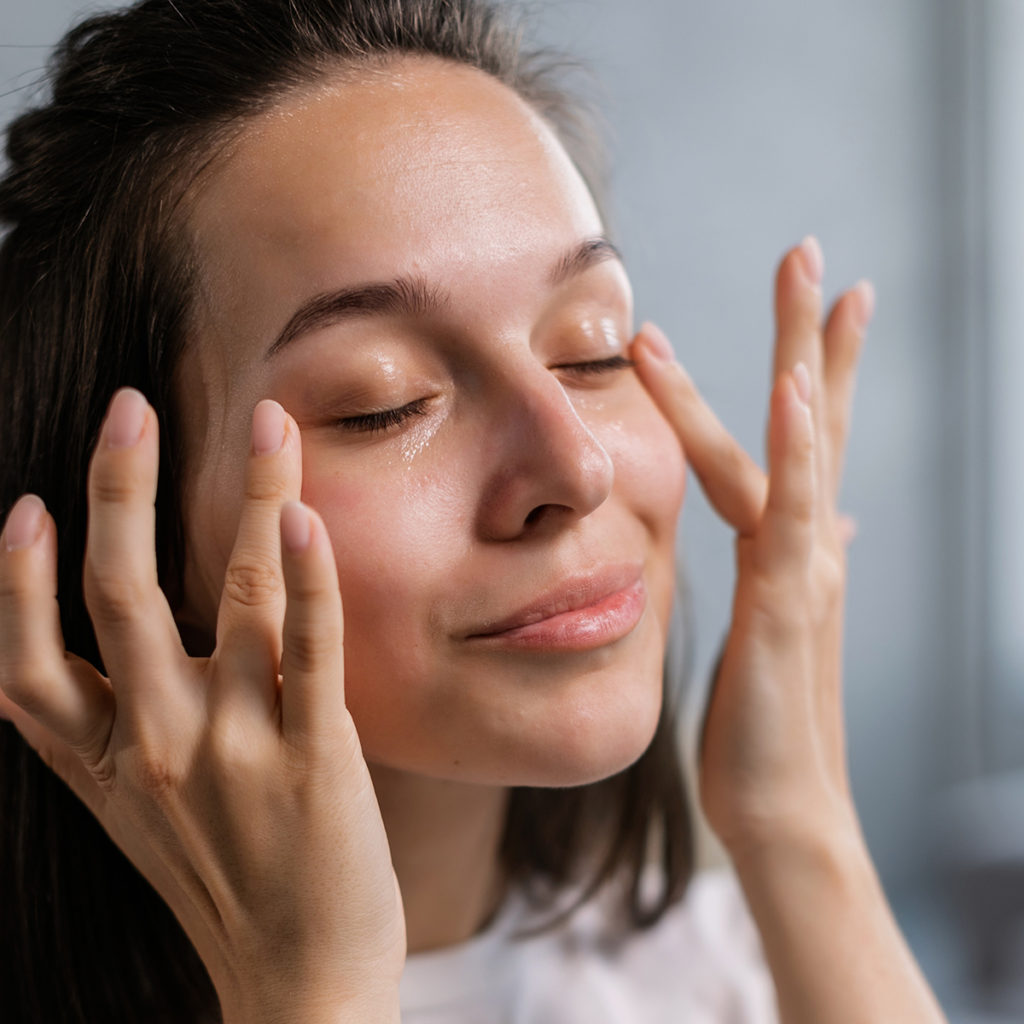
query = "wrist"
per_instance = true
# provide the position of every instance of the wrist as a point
(833, 947)
(302, 996)
(830, 862)
(825, 842)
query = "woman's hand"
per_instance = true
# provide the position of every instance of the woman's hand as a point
(772, 759)
(235, 783)
(773, 779)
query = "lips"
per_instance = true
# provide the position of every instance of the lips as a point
(581, 613)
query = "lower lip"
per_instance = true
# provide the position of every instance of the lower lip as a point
(582, 629)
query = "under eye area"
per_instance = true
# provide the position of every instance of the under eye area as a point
(385, 419)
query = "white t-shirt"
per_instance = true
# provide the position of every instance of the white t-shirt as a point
(702, 963)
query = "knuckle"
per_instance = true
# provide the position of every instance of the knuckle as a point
(11, 593)
(233, 747)
(111, 595)
(114, 484)
(306, 591)
(802, 447)
(265, 484)
(307, 648)
(253, 584)
(801, 507)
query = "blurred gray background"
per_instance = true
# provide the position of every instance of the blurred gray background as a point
(891, 129)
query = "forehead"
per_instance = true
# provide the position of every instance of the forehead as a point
(418, 166)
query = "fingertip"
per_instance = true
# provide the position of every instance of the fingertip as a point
(812, 260)
(864, 291)
(25, 523)
(656, 343)
(269, 425)
(126, 418)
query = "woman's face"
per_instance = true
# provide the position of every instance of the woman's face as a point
(500, 491)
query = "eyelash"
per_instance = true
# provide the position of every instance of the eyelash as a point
(608, 365)
(379, 422)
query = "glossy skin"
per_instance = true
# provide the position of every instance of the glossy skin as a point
(520, 483)
(531, 462)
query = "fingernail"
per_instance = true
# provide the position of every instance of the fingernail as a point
(24, 523)
(866, 294)
(268, 423)
(814, 259)
(802, 379)
(657, 342)
(126, 418)
(295, 526)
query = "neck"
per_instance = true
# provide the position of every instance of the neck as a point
(444, 838)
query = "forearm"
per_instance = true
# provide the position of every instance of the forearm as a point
(301, 993)
(379, 1008)
(833, 947)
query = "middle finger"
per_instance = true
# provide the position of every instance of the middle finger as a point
(252, 605)
(799, 339)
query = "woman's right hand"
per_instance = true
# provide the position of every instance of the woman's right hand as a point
(235, 783)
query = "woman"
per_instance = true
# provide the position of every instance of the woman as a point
(344, 251)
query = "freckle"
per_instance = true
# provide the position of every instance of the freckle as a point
(457, 762)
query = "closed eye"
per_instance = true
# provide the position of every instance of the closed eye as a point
(385, 419)
(597, 366)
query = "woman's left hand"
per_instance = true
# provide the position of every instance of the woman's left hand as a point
(772, 758)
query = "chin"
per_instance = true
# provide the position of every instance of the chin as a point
(601, 726)
(594, 743)
(598, 727)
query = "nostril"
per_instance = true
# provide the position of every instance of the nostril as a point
(539, 513)
(534, 515)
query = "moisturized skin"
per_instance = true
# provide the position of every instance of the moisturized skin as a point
(527, 462)
(498, 493)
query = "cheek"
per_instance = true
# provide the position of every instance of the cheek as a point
(650, 470)
(650, 479)
(395, 533)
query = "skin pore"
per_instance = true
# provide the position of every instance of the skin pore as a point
(410, 265)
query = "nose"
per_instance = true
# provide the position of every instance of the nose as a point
(545, 467)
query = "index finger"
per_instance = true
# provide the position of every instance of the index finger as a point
(252, 603)
(734, 483)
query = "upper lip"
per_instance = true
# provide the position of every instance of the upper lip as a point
(572, 593)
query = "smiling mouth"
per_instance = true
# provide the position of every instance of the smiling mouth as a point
(581, 615)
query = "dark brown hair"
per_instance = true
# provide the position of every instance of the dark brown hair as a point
(96, 279)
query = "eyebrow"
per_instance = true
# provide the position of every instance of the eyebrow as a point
(414, 296)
